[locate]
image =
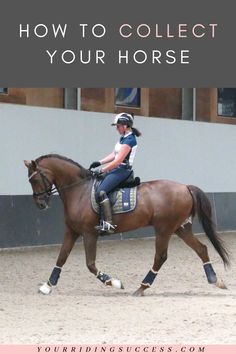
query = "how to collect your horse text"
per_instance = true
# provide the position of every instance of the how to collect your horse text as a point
(122, 57)
(91, 46)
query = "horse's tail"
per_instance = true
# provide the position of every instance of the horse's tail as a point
(204, 211)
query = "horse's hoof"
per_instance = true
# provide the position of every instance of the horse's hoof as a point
(220, 284)
(116, 283)
(45, 289)
(139, 292)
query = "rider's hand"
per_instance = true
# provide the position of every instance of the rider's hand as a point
(94, 164)
(97, 174)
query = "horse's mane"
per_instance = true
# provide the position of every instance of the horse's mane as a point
(83, 171)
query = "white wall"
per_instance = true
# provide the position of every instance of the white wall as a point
(190, 152)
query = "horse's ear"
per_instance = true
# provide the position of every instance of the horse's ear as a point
(27, 163)
(33, 165)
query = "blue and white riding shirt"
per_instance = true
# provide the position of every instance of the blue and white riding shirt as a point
(130, 140)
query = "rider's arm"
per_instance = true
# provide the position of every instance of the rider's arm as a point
(108, 158)
(124, 150)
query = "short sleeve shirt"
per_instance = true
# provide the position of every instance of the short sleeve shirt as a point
(130, 140)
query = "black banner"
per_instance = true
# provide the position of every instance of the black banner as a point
(132, 43)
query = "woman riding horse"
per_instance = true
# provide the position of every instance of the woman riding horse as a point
(118, 168)
(166, 205)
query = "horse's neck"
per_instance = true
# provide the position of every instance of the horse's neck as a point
(72, 184)
(64, 173)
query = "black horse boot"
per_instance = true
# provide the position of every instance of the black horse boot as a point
(106, 227)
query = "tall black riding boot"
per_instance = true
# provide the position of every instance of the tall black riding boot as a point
(106, 226)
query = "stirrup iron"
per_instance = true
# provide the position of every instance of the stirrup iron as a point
(105, 226)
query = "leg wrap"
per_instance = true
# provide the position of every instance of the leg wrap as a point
(54, 276)
(149, 279)
(103, 277)
(211, 275)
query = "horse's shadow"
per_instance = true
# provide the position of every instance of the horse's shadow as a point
(168, 294)
(189, 294)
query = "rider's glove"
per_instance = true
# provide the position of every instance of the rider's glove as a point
(98, 174)
(95, 164)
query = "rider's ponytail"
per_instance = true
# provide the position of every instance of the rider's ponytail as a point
(136, 132)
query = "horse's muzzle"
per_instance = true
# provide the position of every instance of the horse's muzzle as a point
(41, 203)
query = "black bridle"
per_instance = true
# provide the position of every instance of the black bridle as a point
(48, 190)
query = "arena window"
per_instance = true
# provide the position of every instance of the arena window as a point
(226, 102)
(3, 90)
(129, 97)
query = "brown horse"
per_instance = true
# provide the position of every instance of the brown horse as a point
(167, 206)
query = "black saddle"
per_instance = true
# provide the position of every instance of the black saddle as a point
(130, 182)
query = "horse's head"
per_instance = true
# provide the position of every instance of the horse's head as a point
(40, 183)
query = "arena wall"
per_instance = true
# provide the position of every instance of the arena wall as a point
(196, 153)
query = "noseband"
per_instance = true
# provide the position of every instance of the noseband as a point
(48, 190)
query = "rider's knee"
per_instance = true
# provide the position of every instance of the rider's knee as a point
(97, 196)
(101, 195)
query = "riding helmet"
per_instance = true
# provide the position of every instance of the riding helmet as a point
(124, 119)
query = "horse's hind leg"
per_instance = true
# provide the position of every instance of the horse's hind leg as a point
(186, 234)
(162, 241)
(68, 243)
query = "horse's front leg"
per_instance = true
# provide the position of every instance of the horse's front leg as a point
(68, 243)
(90, 245)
